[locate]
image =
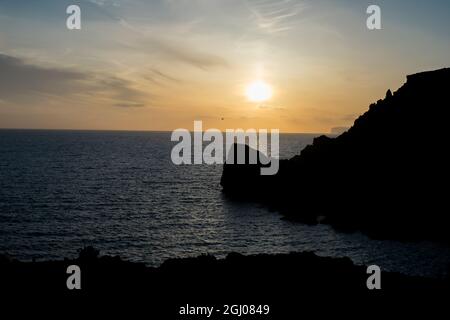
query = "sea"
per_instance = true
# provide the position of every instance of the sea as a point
(120, 192)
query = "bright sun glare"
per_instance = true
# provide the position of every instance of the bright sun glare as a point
(258, 91)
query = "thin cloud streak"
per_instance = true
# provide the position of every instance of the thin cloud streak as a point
(167, 49)
(275, 16)
(23, 82)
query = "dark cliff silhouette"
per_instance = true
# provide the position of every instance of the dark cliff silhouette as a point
(292, 284)
(387, 175)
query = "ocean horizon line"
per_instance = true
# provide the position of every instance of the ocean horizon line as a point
(147, 131)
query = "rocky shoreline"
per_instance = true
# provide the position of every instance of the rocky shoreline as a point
(385, 176)
(242, 272)
(288, 284)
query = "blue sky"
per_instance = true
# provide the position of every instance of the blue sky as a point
(159, 65)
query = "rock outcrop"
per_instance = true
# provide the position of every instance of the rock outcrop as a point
(387, 175)
(264, 277)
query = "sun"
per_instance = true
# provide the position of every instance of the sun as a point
(258, 91)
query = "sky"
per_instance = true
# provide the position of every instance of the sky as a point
(161, 64)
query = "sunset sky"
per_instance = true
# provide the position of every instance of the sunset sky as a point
(161, 64)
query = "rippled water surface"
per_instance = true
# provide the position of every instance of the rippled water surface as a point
(120, 192)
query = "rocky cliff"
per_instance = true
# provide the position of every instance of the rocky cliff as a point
(387, 175)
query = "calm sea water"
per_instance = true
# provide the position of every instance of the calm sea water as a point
(120, 192)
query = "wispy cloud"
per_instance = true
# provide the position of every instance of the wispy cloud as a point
(159, 78)
(23, 82)
(177, 51)
(130, 105)
(188, 55)
(102, 3)
(19, 78)
(274, 16)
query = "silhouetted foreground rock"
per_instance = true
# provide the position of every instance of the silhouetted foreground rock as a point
(387, 175)
(282, 281)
